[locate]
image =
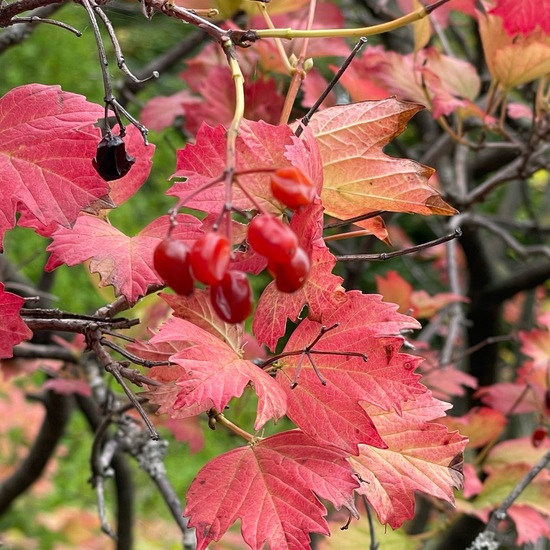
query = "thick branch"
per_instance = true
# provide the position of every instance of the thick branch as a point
(8, 11)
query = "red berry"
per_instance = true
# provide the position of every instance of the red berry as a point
(292, 187)
(538, 436)
(171, 261)
(270, 237)
(210, 257)
(293, 275)
(232, 298)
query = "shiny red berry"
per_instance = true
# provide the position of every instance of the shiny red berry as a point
(232, 298)
(210, 257)
(293, 275)
(171, 261)
(538, 436)
(270, 237)
(292, 187)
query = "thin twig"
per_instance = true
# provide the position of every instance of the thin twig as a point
(500, 513)
(305, 120)
(388, 255)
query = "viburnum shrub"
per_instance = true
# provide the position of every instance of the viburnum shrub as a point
(360, 385)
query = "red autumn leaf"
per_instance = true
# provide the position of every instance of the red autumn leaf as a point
(358, 177)
(122, 261)
(198, 310)
(12, 329)
(523, 16)
(421, 456)
(259, 146)
(367, 326)
(212, 372)
(444, 382)
(161, 111)
(503, 395)
(530, 524)
(46, 157)
(322, 291)
(270, 485)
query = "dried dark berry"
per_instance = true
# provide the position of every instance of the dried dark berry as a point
(112, 162)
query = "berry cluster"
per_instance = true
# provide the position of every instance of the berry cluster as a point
(288, 263)
(209, 258)
(208, 262)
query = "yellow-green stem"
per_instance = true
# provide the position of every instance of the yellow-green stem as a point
(233, 130)
(220, 419)
(278, 43)
(289, 34)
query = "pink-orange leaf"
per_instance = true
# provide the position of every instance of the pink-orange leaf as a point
(12, 328)
(358, 176)
(122, 261)
(421, 456)
(212, 373)
(367, 326)
(46, 158)
(259, 146)
(198, 310)
(513, 60)
(270, 487)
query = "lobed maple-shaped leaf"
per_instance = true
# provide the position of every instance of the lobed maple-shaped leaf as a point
(442, 83)
(365, 325)
(513, 60)
(198, 310)
(122, 261)
(46, 157)
(259, 146)
(523, 16)
(420, 456)
(269, 485)
(12, 328)
(358, 177)
(322, 291)
(211, 373)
